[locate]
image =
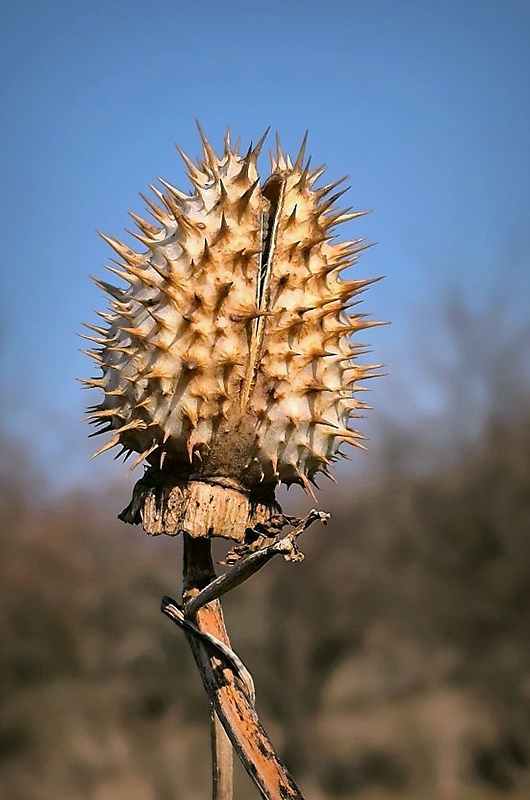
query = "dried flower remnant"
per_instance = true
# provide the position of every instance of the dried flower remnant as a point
(228, 358)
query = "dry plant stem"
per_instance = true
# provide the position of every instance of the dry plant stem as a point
(249, 565)
(198, 569)
(172, 610)
(225, 678)
(227, 690)
(239, 718)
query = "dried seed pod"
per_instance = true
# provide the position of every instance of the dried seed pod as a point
(228, 355)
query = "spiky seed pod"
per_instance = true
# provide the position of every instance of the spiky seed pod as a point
(228, 355)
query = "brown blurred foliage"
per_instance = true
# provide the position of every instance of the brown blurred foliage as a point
(395, 660)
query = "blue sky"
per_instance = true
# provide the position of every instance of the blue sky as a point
(425, 104)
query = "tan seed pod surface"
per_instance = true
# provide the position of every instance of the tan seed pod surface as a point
(229, 352)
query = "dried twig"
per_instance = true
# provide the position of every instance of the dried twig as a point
(216, 647)
(250, 564)
(225, 678)
(199, 571)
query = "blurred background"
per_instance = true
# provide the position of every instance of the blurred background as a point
(395, 661)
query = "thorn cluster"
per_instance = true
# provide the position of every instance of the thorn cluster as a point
(228, 352)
